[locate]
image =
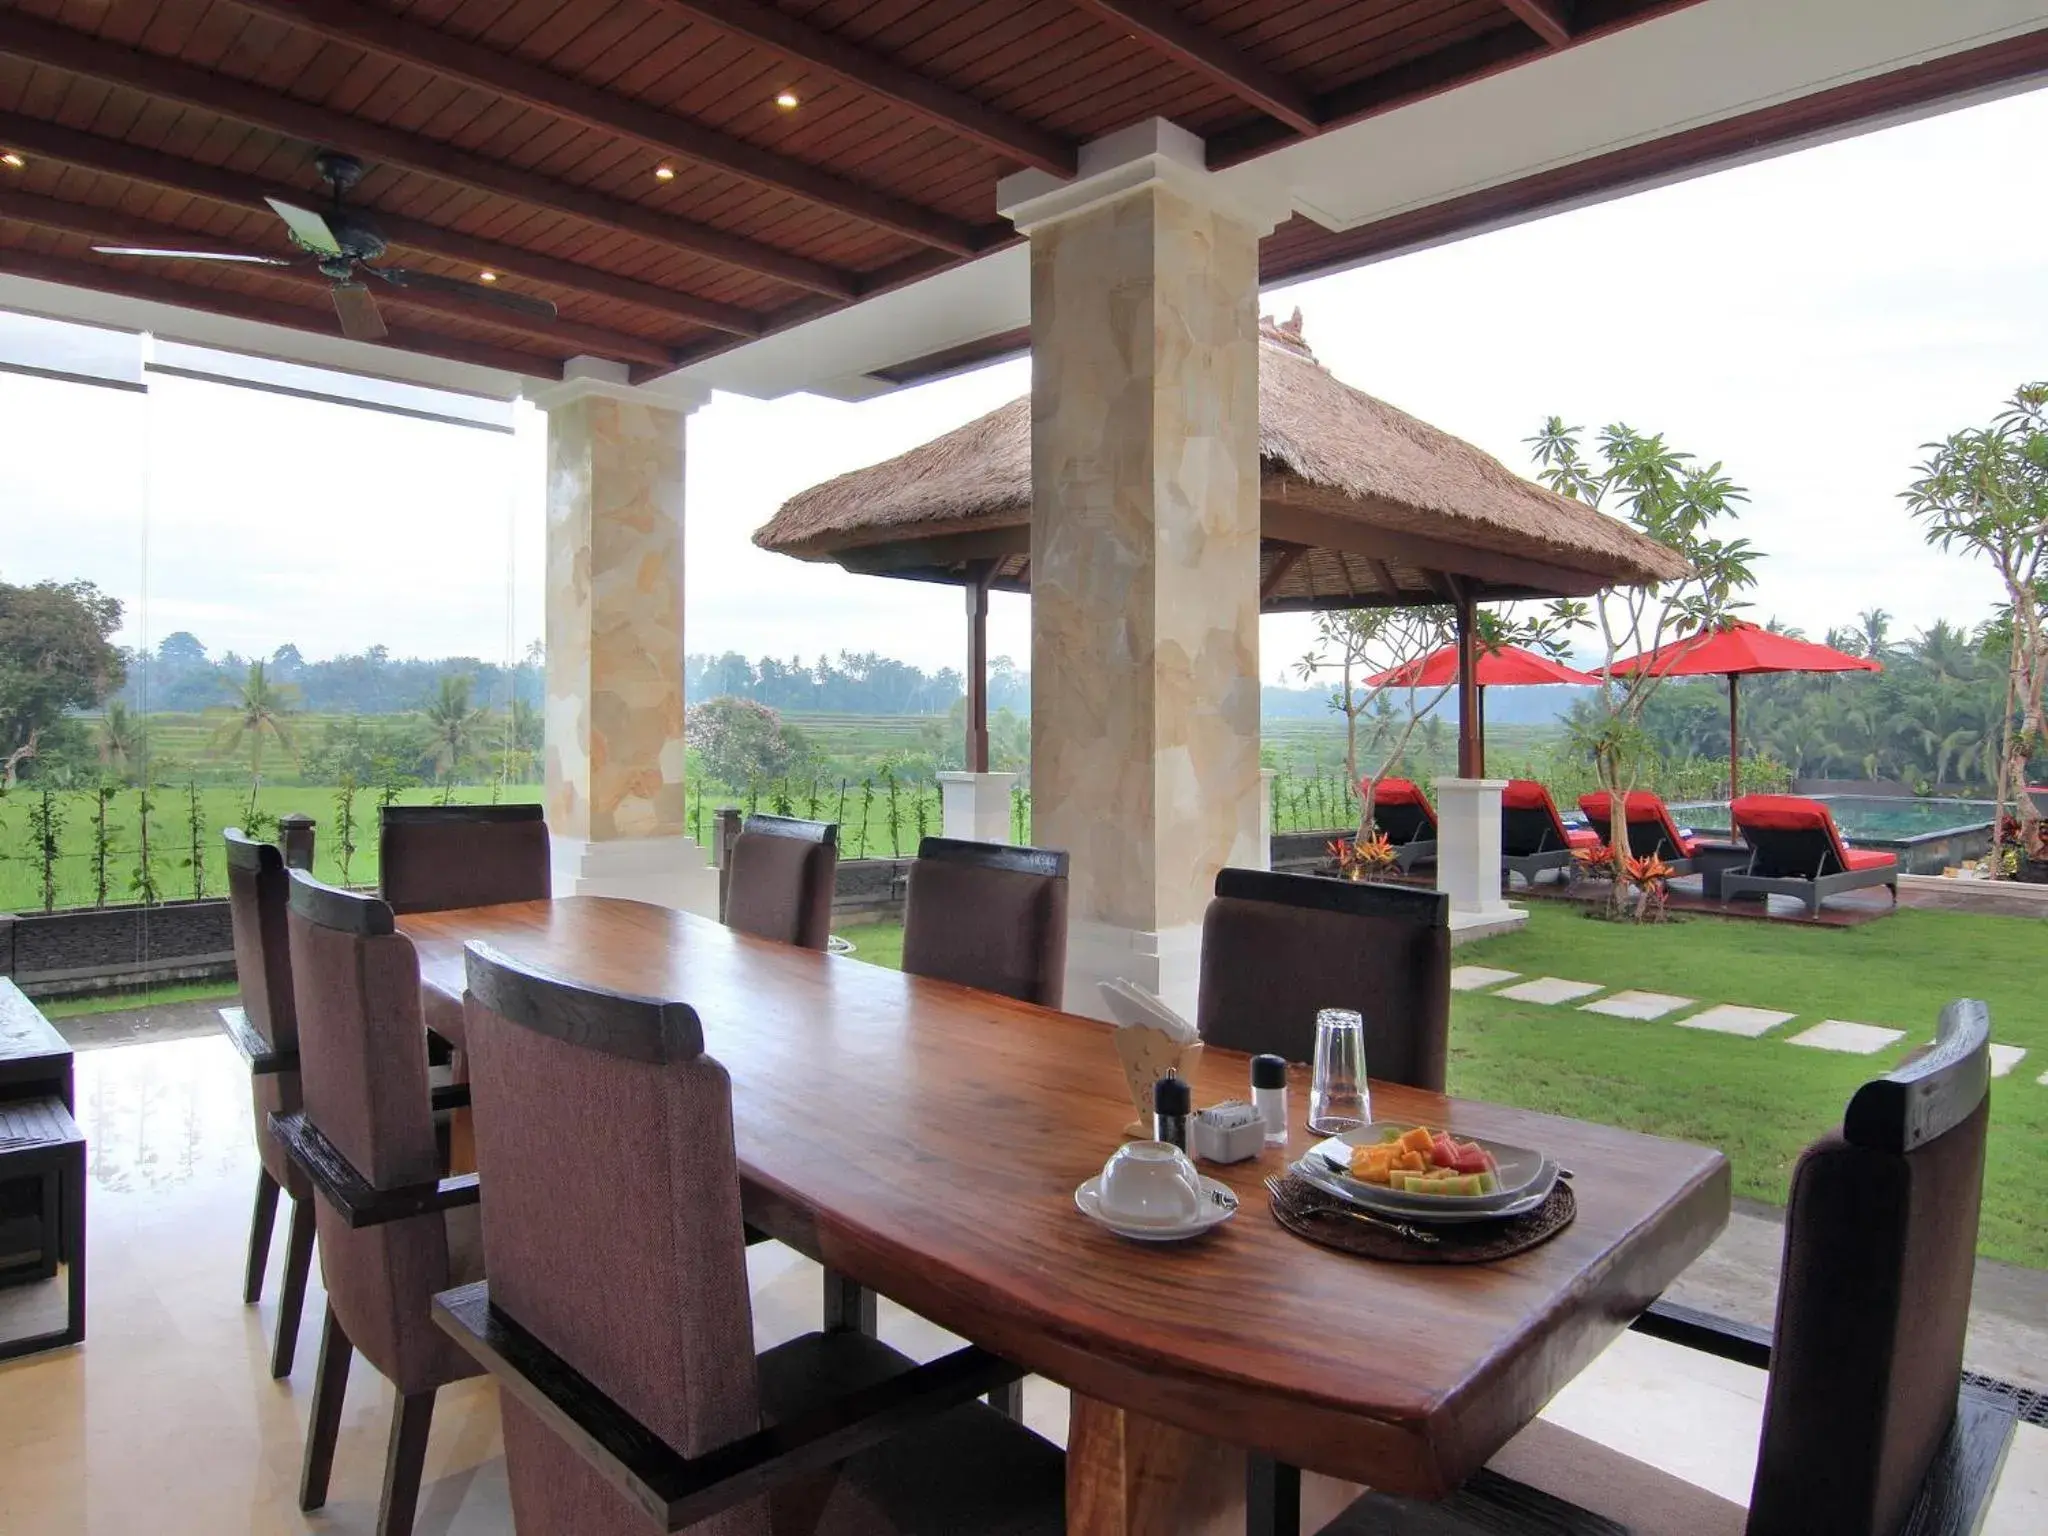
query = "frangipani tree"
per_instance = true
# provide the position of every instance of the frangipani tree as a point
(1669, 496)
(1357, 644)
(1985, 490)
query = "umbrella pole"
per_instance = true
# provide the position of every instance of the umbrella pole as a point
(1471, 749)
(1734, 750)
(977, 673)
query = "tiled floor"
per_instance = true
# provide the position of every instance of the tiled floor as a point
(167, 1422)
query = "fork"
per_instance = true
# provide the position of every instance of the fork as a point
(1399, 1228)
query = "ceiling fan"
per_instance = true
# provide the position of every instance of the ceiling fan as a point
(343, 246)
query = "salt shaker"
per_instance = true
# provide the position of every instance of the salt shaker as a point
(1172, 1103)
(1269, 1095)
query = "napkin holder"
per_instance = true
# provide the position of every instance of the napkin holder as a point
(1148, 1054)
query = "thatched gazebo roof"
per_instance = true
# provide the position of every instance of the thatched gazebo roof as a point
(1362, 506)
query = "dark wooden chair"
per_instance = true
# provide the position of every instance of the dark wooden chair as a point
(988, 915)
(782, 878)
(265, 1029)
(1277, 949)
(618, 1325)
(1869, 1428)
(392, 1230)
(435, 858)
(1795, 849)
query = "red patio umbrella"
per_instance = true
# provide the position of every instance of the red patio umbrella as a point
(1733, 650)
(1506, 666)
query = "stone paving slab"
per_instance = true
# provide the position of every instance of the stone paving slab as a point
(2005, 1057)
(1473, 978)
(1549, 990)
(1841, 1035)
(1734, 1019)
(1638, 1005)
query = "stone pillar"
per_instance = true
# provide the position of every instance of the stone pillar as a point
(1468, 868)
(614, 715)
(1144, 546)
(976, 806)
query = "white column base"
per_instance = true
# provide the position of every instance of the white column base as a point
(1468, 866)
(976, 806)
(667, 871)
(1168, 964)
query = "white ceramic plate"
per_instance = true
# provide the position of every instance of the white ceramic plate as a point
(1348, 1191)
(1524, 1175)
(1221, 1206)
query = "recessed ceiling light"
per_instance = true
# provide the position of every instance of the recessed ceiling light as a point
(487, 277)
(664, 173)
(787, 100)
(12, 159)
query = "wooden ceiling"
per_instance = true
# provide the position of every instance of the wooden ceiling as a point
(524, 137)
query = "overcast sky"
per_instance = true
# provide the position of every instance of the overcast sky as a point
(1810, 321)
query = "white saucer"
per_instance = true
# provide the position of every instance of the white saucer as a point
(1221, 1207)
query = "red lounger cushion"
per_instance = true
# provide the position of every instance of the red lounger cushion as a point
(1642, 807)
(1527, 797)
(1398, 792)
(1795, 813)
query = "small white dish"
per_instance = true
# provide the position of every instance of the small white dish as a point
(1219, 1204)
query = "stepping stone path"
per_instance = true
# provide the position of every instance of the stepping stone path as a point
(1732, 1019)
(1471, 978)
(1856, 1039)
(2005, 1057)
(1638, 1005)
(1549, 990)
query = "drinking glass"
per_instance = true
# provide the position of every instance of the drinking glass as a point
(1338, 1097)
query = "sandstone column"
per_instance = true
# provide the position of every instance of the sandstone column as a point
(615, 756)
(1144, 545)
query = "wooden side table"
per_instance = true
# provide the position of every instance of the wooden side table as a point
(40, 1140)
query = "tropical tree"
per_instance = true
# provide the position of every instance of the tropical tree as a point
(454, 725)
(1984, 490)
(261, 714)
(1670, 497)
(1357, 644)
(120, 739)
(56, 655)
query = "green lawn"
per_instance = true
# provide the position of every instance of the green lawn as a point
(1760, 1101)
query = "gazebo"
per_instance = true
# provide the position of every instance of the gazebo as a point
(1361, 505)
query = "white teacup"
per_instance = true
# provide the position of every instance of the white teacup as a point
(1151, 1183)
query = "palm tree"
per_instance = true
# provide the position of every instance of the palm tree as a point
(453, 724)
(1876, 626)
(262, 712)
(120, 739)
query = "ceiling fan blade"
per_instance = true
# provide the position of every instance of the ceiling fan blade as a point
(358, 310)
(307, 227)
(482, 293)
(151, 250)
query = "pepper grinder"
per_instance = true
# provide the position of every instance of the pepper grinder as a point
(1172, 1103)
(1269, 1095)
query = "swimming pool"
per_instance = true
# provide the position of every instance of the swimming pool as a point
(1867, 818)
(1928, 835)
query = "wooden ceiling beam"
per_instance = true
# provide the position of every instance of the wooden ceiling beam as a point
(1289, 557)
(241, 306)
(169, 79)
(1161, 27)
(1550, 20)
(877, 75)
(504, 74)
(106, 224)
(111, 157)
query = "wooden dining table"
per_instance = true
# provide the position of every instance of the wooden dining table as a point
(926, 1139)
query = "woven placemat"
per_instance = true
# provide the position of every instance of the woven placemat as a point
(1307, 1212)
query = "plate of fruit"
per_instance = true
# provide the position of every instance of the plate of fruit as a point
(1426, 1171)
